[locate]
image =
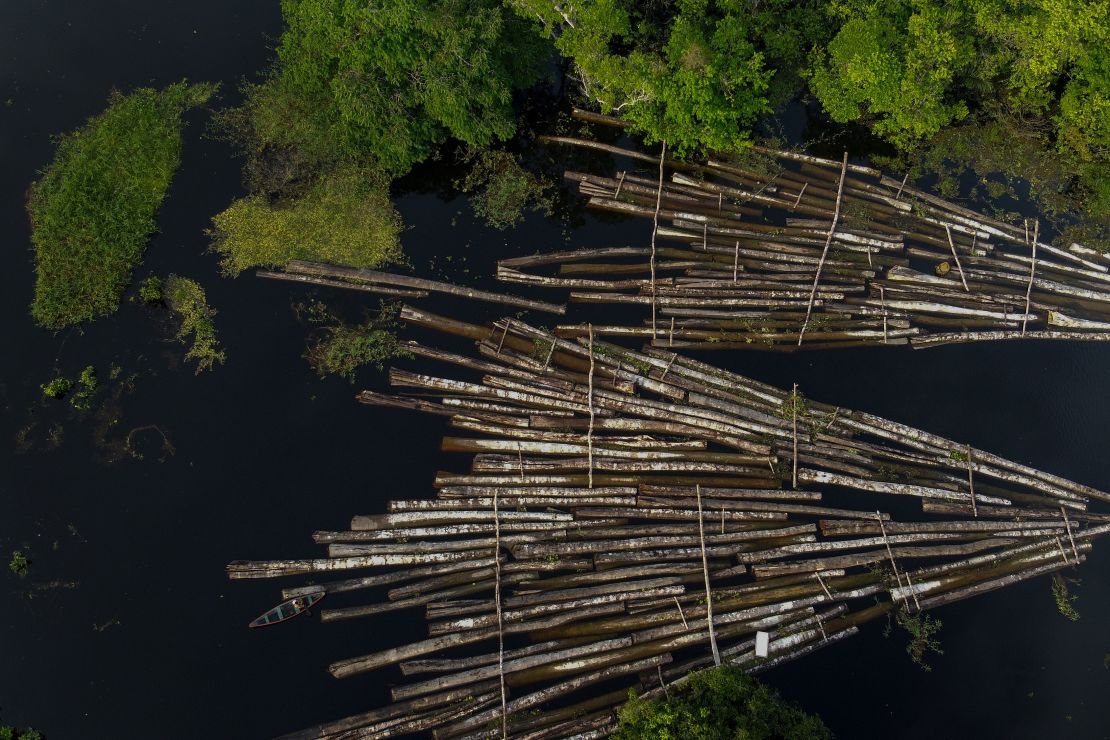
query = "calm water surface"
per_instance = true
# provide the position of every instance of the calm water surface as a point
(127, 627)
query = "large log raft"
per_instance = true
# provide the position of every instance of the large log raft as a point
(631, 517)
(798, 251)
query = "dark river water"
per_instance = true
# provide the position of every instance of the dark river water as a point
(126, 626)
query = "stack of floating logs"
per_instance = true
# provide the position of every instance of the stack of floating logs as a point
(631, 517)
(798, 251)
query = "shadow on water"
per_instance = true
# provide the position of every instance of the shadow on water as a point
(126, 627)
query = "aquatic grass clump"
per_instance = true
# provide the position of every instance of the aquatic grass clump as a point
(342, 349)
(186, 298)
(94, 207)
(345, 218)
(717, 704)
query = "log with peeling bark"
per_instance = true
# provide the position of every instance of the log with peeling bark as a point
(628, 552)
(763, 250)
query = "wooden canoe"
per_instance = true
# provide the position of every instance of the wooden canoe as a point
(288, 609)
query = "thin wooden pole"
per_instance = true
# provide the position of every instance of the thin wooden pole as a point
(654, 231)
(901, 187)
(794, 417)
(882, 301)
(590, 431)
(1063, 554)
(799, 198)
(667, 369)
(736, 261)
(956, 257)
(617, 194)
(913, 593)
(1032, 272)
(971, 484)
(500, 625)
(1067, 526)
(889, 552)
(824, 588)
(825, 251)
(678, 604)
(708, 592)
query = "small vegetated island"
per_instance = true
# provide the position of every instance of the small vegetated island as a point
(94, 207)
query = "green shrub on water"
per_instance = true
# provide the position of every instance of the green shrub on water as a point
(345, 218)
(922, 629)
(87, 384)
(186, 298)
(19, 564)
(94, 207)
(502, 190)
(718, 704)
(57, 388)
(342, 349)
(150, 289)
(1065, 602)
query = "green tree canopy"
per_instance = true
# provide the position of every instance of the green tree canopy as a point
(722, 703)
(389, 80)
(696, 73)
(911, 67)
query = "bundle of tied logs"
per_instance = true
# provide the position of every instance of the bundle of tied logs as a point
(631, 517)
(783, 250)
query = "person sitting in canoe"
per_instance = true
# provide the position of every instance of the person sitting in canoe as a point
(298, 603)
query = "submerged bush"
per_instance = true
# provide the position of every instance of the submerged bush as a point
(718, 704)
(342, 349)
(186, 298)
(87, 384)
(502, 189)
(57, 388)
(345, 218)
(94, 207)
(1065, 602)
(19, 564)
(150, 289)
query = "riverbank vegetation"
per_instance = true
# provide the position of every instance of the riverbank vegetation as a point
(717, 704)
(1021, 89)
(94, 207)
(186, 299)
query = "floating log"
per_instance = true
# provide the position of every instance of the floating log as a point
(659, 539)
(752, 245)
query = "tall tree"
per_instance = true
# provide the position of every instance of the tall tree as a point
(390, 80)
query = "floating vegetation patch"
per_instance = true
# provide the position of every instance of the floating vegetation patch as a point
(19, 564)
(186, 299)
(1065, 602)
(94, 207)
(150, 289)
(502, 190)
(922, 629)
(341, 349)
